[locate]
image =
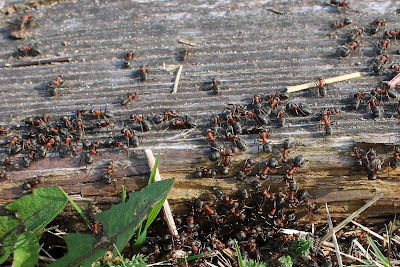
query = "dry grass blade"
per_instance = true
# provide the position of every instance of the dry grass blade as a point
(366, 229)
(346, 255)
(293, 232)
(337, 249)
(351, 217)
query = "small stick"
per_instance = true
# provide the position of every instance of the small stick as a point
(178, 76)
(166, 208)
(336, 79)
(394, 82)
(273, 10)
(187, 42)
(39, 62)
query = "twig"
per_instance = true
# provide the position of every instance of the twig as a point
(348, 219)
(273, 10)
(39, 62)
(166, 208)
(335, 79)
(187, 42)
(178, 76)
(337, 249)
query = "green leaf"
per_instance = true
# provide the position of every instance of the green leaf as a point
(123, 194)
(8, 234)
(150, 218)
(378, 253)
(5, 256)
(39, 208)
(286, 261)
(119, 225)
(239, 255)
(27, 253)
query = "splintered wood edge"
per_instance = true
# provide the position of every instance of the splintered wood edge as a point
(178, 76)
(166, 208)
(336, 79)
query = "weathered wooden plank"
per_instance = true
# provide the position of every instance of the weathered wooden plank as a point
(251, 50)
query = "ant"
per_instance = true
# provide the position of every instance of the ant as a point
(321, 87)
(102, 124)
(378, 65)
(375, 107)
(210, 135)
(131, 137)
(394, 161)
(376, 25)
(356, 100)
(240, 143)
(341, 24)
(374, 165)
(144, 123)
(31, 51)
(266, 145)
(185, 122)
(298, 162)
(281, 120)
(338, 3)
(184, 54)
(128, 58)
(392, 34)
(203, 172)
(18, 28)
(300, 109)
(274, 101)
(381, 46)
(352, 36)
(93, 150)
(357, 155)
(53, 86)
(256, 103)
(128, 99)
(143, 73)
(33, 182)
(216, 86)
(27, 159)
(286, 145)
(272, 164)
(344, 51)
(79, 131)
(108, 176)
(324, 116)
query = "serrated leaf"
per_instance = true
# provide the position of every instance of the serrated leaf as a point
(78, 246)
(27, 253)
(8, 234)
(39, 208)
(119, 225)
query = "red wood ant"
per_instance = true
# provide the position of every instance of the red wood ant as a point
(341, 24)
(53, 86)
(236, 126)
(344, 51)
(266, 145)
(31, 51)
(108, 176)
(128, 58)
(240, 143)
(27, 159)
(183, 123)
(394, 161)
(377, 24)
(143, 73)
(324, 116)
(375, 108)
(93, 150)
(18, 28)
(357, 155)
(352, 36)
(131, 137)
(356, 100)
(202, 172)
(210, 135)
(340, 4)
(102, 124)
(392, 34)
(281, 120)
(79, 131)
(33, 182)
(129, 98)
(184, 54)
(300, 109)
(378, 65)
(321, 87)
(216, 86)
(298, 162)
(381, 46)
(144, 123)
(286, 145)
